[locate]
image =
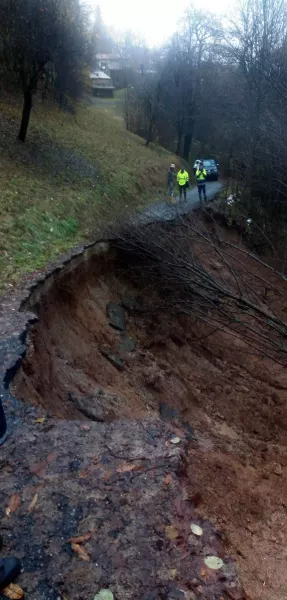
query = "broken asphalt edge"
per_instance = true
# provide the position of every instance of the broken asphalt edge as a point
(16, 315)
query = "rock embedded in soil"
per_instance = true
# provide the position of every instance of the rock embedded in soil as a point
(131, 304)
(278, 470)
(175, 440)
(127, 344)
(101, 406)
(168, 413)
(116, 316)
(189, 431)
(114, 359)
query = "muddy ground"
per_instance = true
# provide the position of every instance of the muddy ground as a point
(165, 371)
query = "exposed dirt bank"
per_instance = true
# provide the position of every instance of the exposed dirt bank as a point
(79, 367)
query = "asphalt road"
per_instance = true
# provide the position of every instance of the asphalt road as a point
(165, 211)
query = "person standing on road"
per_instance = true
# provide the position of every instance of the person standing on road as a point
(183, 182)
(170, 180)
(196, 165)
(201, 179)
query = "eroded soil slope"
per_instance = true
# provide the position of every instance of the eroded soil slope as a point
(158, 362)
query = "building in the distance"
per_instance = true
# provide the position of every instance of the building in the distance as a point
(116, 67)
(101, 84)
(109, 62)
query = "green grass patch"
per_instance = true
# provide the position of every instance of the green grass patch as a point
(73, 176)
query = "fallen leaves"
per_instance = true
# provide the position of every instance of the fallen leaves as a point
(126, 467)
(172, 573)
(78, 549)
(171, 532)
(81, 552)
(33, 503)
(213, 562)
(38, 468)
(81, 538)
(85, 473)
(104, 594)
(13, 591)
(14, 504)
(51, 457)
(196, 529)
(41, 420)
(168, 479)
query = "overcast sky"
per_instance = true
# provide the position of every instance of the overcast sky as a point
(154, 20)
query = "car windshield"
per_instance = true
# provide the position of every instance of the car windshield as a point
(209, 163)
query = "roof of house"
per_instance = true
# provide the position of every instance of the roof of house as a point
(108, 56)
(99, 75)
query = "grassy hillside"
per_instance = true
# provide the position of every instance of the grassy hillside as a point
(71, 176)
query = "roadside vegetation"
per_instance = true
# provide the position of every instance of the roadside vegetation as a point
(219, 90)
(72, 177)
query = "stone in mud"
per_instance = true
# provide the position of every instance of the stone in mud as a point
(234, 591)
(168, 413)
(127, 344)
(190, 433)
(116, 316)
(150, 595)
(278, 470)
(175, 593)
(114, 359)
(87, 407)
(131, 304)
(102, 406)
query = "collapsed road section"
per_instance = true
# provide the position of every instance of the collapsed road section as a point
(92, 498)
(141, 449)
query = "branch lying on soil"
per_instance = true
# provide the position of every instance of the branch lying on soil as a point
(177, 258)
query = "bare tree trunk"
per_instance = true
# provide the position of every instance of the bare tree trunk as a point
(27, 106)
(153, 115)
(149, 133)
(178, 145)
(187, 146)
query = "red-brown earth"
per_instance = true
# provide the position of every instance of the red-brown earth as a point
(234, 401)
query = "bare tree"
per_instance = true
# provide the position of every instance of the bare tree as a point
(231, 297)
(40, 42)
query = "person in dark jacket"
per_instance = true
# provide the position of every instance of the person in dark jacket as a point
(201, 179)
(170, 180)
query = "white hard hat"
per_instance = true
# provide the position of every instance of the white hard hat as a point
(172, 166)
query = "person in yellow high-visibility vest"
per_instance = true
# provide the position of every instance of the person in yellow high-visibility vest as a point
(201, 178)
(183, 182)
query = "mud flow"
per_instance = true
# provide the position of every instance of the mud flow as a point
(104, 350)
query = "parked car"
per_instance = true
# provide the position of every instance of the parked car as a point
(212, 169)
